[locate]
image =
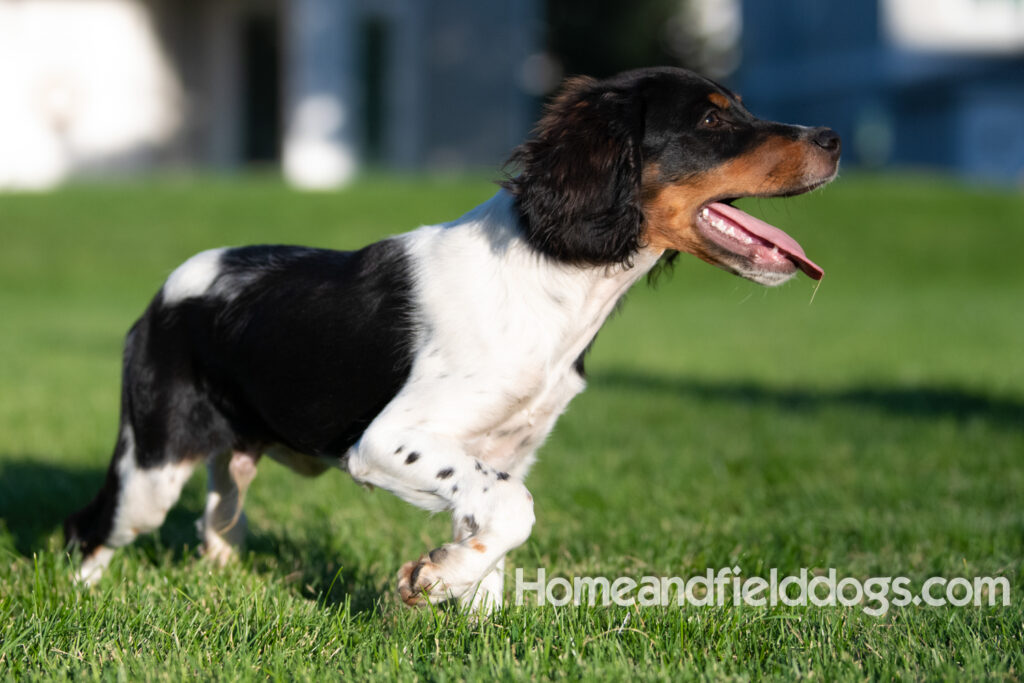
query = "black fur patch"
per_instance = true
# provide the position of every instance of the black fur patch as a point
(578, 190)
(89, 527)
(290, 345)
(340, 319)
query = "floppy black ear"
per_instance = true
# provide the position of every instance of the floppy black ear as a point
(578, 190)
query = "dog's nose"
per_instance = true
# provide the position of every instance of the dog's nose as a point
(827, 139)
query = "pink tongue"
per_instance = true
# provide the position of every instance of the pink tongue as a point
(771, 234)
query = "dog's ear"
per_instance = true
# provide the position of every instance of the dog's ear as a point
(578, 189)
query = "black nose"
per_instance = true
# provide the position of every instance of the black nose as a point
(827, 139)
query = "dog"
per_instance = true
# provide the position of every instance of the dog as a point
(434, 364)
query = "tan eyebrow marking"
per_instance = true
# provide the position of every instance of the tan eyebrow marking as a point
(719, 100)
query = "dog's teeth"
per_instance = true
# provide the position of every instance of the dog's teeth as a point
(728, 228)
(705, 212)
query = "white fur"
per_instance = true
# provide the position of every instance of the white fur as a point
(194, 277)
(93, 566)
(502, 327)
(223, 523)
(498, 329)
(144, 497)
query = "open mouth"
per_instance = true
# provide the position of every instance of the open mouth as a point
(764, 246)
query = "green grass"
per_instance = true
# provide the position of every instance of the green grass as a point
(878, 430)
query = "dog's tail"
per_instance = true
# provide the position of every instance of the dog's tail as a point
(89, 528)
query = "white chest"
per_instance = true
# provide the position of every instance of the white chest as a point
(502, 329)
(509, 444)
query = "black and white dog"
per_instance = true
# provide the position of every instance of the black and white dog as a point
(433, 364)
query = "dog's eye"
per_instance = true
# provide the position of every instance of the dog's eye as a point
(711, 120)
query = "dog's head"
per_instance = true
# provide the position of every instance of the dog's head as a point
(652, 159)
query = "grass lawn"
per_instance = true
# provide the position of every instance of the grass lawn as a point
(878, 430)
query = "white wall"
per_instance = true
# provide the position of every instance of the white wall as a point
(83, 85)
(971, 26)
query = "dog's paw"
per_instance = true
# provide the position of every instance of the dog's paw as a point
(420, 581)
(216, 551)
(93, 566)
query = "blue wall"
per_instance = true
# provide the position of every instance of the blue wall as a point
(829, 63)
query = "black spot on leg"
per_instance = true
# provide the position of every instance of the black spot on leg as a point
(413, 457)
(479, 467)
(502, 476)
(399, 450)
(469, 522)
(486, 489)
(415, 575)
(455, 488)
(445, 473)
(437, 555)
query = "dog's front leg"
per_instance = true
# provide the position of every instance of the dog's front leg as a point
(492, 511)
(488, 594)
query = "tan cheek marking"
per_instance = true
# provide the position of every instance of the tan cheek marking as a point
(771, 167)
(477, 546)
(719, 100)
(669, 217)
(774, 166)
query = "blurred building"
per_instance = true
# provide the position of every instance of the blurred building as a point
(935, 83)
(320, 86)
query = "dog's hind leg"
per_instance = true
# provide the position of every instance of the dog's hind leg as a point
(168, 424)
(134, 500)
(223, 523)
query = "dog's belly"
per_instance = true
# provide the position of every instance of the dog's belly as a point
(510, 444)
(300, 463)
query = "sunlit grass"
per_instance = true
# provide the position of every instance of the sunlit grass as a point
(878, 430)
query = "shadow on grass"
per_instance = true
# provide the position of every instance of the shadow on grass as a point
(36, 495)
(318, 572)
(921, 402)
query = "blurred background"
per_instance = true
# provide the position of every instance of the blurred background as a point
(323, 88)
(875, 425)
